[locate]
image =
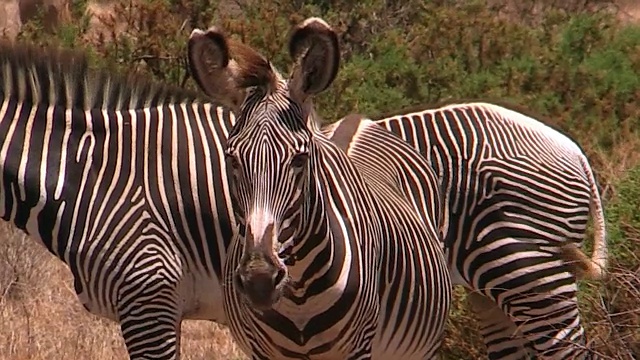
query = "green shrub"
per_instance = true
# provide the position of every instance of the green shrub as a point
(623, 215)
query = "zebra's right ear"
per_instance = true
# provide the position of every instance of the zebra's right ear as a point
(208, 55)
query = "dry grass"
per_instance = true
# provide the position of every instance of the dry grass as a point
(613, 317)
(41, 318)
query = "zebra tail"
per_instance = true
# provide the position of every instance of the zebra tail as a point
(584, 267)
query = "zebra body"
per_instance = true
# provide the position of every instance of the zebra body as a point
(389, 165)
(330, 262)
(519, 195)
(121, 180)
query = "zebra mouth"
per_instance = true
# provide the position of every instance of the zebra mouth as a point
(261, 291)
(262, 304)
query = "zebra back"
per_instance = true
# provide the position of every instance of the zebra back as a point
(466, 140)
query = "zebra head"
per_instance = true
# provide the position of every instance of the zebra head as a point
(271, 149)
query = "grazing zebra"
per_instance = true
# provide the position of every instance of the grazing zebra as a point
(518, 195)
(331, 262)
(121, 179)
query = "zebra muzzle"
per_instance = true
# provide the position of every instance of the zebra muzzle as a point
(260, 282)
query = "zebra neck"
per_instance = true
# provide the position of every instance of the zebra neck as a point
(312, 239)
(305, 251)
(319, 256)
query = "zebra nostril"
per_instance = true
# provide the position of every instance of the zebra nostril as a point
(279, 276)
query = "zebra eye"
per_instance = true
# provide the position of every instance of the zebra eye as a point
(254, 90)
(232, 161)
(299, 160)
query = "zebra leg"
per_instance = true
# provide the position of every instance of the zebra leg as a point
(500, 335)
(550, 321)
(149, 304)
(151, 327)
(538, 292)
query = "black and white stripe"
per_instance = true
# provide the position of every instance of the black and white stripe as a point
(519, 195)
(331, 261)
(120, 179)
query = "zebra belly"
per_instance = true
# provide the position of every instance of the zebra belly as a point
(202, 294)
(201, 297)
(91, 304)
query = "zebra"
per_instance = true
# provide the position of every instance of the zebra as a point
(331, 261)
(121, 179)
(75, 122)
(518, 196)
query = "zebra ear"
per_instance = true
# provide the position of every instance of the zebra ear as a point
(208, 55)
(314, 47)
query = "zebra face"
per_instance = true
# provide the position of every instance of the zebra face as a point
(269, 183)
(271, 157)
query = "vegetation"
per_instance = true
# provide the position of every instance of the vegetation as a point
(576, 65)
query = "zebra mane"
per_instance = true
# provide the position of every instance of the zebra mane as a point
(251, 68)
(54, 76)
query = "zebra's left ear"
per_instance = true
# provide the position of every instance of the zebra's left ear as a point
(314, 47)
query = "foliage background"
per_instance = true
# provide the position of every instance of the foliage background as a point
(575, 63)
